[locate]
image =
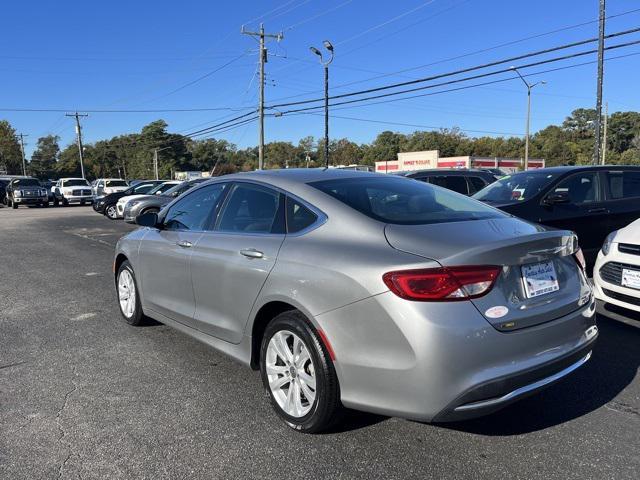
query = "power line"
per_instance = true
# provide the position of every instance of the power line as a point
(465, 87)
(468, 54)
(161, 110)
(318, 15)
(477, 67)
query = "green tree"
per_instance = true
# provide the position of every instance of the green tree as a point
(45, 157)
(10, 152)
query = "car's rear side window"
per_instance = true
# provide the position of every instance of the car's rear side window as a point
(404, 201)
(476, 184)
(299, 216)
(457, 183)
(624, 184)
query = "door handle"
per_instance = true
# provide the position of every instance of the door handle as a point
(251, 253)
(598, 210)
(184, 244)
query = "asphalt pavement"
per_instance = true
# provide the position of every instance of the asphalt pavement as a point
(84, 395)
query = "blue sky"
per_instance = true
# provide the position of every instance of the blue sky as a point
(134, 54)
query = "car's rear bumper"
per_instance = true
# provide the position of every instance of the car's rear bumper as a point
(424, 360)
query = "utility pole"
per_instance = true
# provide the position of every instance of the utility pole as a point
(24, 161)
(598, 144)
(263, 59)
(604, 140)
(79, 135)
(155, 159)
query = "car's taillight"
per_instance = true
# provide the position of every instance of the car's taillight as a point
(442, 284)
(579, 256)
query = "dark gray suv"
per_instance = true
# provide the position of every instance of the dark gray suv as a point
(26, 191)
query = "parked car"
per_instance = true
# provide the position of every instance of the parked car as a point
(105, 186)
(592, 201)
(362, 290)
(617, 273)
(158, 190)
(3, 190)
(26, 191)
(465, 181)
(72, 190)
(106, 204)
(53, 198)
(153, 203)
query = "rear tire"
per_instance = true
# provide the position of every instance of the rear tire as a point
(129, 295)
(303, 388)
(65, 202)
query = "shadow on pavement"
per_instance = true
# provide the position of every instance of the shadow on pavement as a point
(612, 367)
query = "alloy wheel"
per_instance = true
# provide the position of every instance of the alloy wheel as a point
(112, 212)
(291, 373)
(127, 293)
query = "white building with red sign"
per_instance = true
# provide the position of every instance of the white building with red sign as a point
(408, 161)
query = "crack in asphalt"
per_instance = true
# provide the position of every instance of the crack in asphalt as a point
(11, 365)
(61, 428)
(622, 407)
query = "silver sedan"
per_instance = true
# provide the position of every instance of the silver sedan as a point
(365, 291)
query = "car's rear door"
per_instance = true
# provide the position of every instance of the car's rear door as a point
(165, 254)
(622, 193)
(230, 264)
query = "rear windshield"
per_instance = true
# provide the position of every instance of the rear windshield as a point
(404, 201)
(116, 183)
(26, 182)
(78, 182)
(515, 188)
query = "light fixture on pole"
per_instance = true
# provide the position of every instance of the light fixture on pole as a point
(325, 63)
(526, 141)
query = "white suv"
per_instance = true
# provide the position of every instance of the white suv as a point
(616, 274)
(105, 186)
(72, 190)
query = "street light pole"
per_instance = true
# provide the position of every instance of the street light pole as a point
(327, 44)
(526, 138)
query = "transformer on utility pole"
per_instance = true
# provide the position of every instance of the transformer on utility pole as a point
(79, 136)
(263, 59)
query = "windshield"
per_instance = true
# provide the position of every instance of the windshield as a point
(76, 182)
(115, 183)
(26, 182)
(515, 188)
(142, 188)
(404, 201)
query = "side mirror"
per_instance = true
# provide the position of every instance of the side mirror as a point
(557, 197)
(149, 219)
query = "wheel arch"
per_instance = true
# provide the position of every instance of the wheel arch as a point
(265, 314)
(119, 260)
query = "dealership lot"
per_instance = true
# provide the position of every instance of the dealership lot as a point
(84, 395)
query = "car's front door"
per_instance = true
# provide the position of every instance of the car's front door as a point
(165, 254)
(585, 213)
(230, 264)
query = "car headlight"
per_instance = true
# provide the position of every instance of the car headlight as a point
(606, 246)
(17, 193)
(132, 203)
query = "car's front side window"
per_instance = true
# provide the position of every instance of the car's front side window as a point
(580, 187)
(251, 209)
(195, 211)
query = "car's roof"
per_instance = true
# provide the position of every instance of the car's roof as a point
(445, 170)
(577, 168)
(72, 178)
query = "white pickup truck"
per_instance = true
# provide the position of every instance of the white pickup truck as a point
(72, 190)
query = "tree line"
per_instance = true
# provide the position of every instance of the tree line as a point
(131, 155)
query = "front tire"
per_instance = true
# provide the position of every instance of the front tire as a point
(111, 212)
(14, 205)
(128, 295)
(298, 374)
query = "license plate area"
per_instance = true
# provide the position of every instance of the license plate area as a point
(539, 279)
(631, 278)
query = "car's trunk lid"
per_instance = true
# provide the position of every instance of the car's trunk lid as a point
(512, 244)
